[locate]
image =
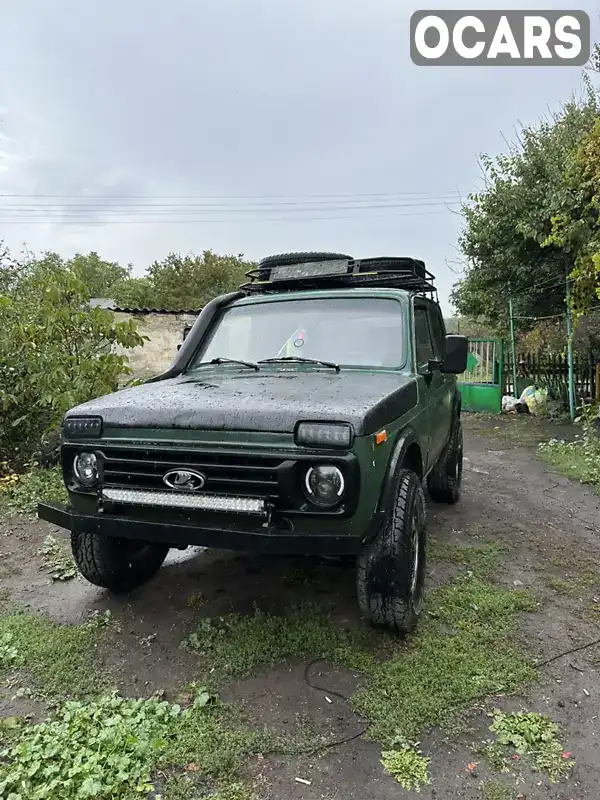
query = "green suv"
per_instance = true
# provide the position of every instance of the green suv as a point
(300, 416)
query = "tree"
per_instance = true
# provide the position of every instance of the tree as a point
(99, 276)
(507, 239)
(576, 225)
(55, 352)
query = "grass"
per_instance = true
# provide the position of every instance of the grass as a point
(494, 790)
(61, 661)
(482, 560)
(516, 430)
(578, 460)
(235, 645)
(22, 493)
(467, 651)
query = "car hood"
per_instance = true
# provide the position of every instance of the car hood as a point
(273, 401)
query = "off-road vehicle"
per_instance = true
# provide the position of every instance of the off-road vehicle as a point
(301, 415)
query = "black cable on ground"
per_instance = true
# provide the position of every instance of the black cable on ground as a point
(566, 653)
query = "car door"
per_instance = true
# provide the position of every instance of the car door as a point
(424, 353)
(442, 385)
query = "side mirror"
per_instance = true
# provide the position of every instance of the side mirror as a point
(455, 357)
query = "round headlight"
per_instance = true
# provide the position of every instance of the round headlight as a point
(85, 467)
(324, 485)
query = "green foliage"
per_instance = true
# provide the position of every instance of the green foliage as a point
(104, 749)
(183, 282)
(482, 560)
(99, 277)
(408, 767)
(237, 645)
(466, 652)
(57, 560)
(55, 352)
(535, 736)
(59, 659)
(9, 655)
(494, 790)
(507, 240)
(578, 459)
(23, 492)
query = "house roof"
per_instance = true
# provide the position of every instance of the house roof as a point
(112, 305)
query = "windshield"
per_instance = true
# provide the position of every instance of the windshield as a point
(349, 331)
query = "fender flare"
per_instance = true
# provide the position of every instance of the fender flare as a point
(405, 438)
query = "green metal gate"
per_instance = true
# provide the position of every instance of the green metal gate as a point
(480, 385)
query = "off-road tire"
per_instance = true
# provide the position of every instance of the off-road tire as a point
(390, 579)
(119, 565)
(283, 259)
(444, 481)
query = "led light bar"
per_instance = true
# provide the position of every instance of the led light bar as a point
(322, 434)
(205, 502)
(310, 270)
(85, 427)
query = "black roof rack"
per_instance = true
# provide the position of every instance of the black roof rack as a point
(337, 271)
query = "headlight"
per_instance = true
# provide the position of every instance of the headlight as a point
(85, 467)
(324, 434)
(324, 485)
(82, 426)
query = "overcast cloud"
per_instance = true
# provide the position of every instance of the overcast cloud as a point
(110, 104)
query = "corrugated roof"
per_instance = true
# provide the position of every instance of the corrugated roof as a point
(156, 310)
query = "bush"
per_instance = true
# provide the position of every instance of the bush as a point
(55, 352)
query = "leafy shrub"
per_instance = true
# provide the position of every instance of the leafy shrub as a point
(56, 351)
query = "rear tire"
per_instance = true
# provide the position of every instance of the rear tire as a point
(391, 568)
(444, 481)
(119, 565)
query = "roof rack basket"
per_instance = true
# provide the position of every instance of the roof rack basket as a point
(405, 273)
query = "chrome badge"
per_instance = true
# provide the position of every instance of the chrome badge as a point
(185, 479)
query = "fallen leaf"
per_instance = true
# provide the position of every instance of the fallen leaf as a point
(193, 767)
(566, 754)
(472, 765)
(515, 757)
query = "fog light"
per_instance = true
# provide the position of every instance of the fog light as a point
(85, 467)
(324, 485)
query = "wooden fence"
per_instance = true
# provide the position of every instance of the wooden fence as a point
(551, 372)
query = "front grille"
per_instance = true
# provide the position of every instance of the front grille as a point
(230, 474)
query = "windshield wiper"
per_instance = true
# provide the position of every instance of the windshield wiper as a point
(249, 364)
(300, 360)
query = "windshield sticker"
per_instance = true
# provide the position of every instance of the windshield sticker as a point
(297, 339)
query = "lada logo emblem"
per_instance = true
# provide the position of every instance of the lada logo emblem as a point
(184, 479)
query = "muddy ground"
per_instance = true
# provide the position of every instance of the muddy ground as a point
(552, 526)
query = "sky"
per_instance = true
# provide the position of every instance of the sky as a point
(140, 128)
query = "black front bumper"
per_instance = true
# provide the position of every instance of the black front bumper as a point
(271, 540)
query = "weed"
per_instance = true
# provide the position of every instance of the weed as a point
(9, 655)
(578, 460)
(494, 790)
(568, 588)
(465, 652)
(98, 620)
(23, 492)
(238, 645)
(60, 659)
(103, 749)
(534, 736)
(408, 767)
(57, 560)
(482, 560)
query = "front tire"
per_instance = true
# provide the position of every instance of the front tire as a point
(444, 481)
(119, 565)
(391, 568)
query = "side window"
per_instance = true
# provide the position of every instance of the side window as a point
(423, 343)
(438, 331)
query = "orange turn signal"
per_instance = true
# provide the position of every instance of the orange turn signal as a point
(380, 437)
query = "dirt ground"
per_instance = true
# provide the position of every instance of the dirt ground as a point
(552, 526)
